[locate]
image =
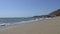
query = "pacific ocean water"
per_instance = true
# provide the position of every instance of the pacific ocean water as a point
(7, 22)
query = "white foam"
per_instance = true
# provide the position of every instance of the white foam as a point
(4, 24)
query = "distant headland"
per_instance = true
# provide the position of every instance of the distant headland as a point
(54, 13)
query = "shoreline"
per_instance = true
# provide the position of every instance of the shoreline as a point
(23, 23)
(49, 26)
(17, 24)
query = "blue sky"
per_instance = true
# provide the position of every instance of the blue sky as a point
(27, 8)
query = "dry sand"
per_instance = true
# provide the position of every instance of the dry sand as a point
(51, 26)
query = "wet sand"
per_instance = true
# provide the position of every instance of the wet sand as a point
(50, 26)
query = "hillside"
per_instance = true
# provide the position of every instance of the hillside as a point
(55, 13)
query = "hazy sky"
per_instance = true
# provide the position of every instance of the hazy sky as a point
(27, 8)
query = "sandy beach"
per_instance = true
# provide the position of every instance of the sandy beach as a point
(50, 26)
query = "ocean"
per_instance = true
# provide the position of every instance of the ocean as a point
(9, 22)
